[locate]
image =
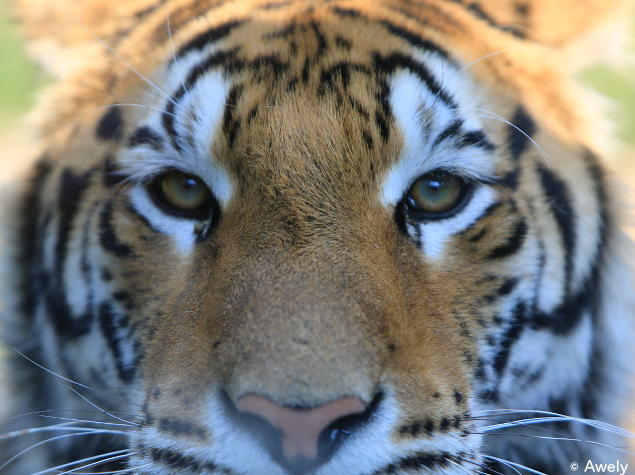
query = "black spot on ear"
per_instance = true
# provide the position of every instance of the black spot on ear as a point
(110, 126)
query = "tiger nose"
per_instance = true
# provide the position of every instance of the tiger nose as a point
(300, 428)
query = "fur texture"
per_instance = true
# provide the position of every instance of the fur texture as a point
(310, 274)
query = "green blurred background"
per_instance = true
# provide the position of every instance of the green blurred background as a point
(20, 80)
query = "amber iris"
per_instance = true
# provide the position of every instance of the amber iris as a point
(181, 191)
(437, 193)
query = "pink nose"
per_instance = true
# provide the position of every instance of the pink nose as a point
(300, 428)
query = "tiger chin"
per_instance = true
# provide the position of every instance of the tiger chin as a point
(342, 237)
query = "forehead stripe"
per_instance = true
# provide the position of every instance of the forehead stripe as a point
(207, 38)
(389, 64)
(210, 62)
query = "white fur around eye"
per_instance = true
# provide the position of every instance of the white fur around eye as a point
(436, 234)
(421, 117)
(181, 230)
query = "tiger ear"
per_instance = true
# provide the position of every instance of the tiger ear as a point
(54, 29)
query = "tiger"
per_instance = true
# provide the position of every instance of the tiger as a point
(316, 237)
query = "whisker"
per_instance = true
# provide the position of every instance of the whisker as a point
(98, 89)
(469, 472)
(514, 464)
(129, 424)
(554, 417)
(165, 96)
(100, 462)
(48, 411)
(502, 119)
(571, 439)
(59, 437)
(88, 459)
(99, 408)
(125, 470)
(490, 470)
(52, 428)
(479, 59)
(69, 380)
(167, 14)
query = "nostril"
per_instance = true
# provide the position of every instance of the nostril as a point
(300, 438)
(340, 429)
(300, 427)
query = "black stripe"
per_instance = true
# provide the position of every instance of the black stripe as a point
(511, 336)
(557, 196)
(111, 174)
(358, 107)
(476, 138)
(518, 142)
(231, 124)
(269, 62)
(382, 125)
(342, 70)
(143, 219)
(322, 45)
(114, 326)
(144, 135)
(215, 60)
(71, 187)
(597, 173)
(388, 65)
(140, 15)
(425, 460)
(179, 428)
(31, 235)
(306, 70)
(107, 237)
(177, 461)
(343, 43)
(451, 131)
(568, 314)
(513, 244)
(208, 37)
(110, 126)
(414, 39)
(275, 5)
(507, 287)
(345, 12)
(477, 11)
(66, 324)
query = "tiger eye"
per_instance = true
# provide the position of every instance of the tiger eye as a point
(436, 194)
(181, 191)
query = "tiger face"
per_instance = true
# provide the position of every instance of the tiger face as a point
(326, 237)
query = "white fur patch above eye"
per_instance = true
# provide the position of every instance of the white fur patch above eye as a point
(437, 137)
(422, 118)
(197, 120)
